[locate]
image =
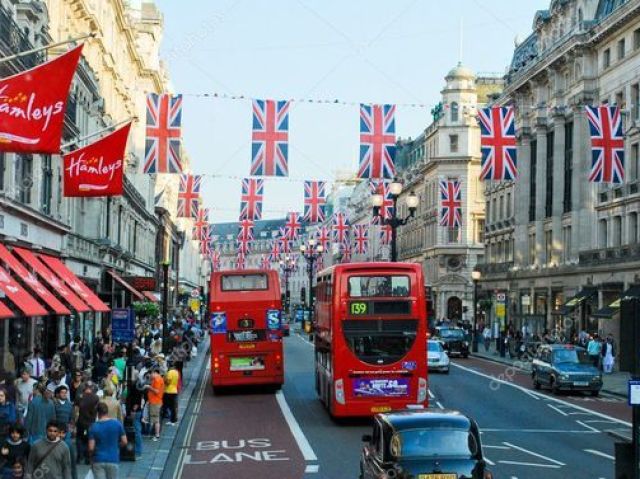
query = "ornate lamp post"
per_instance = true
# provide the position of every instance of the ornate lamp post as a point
(286, 266)
(475, 276)
(377, 201)
(311, 254)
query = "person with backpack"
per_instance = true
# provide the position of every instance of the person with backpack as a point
(49, 458)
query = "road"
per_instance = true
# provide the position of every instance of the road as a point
(526, 434)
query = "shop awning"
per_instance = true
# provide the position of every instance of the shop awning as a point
(78, 287)
(52, 280)
(151, 296)
(608, 311)
(584, 294)
(126, 285)
(32, 282)
(19, 296)
(5, 313)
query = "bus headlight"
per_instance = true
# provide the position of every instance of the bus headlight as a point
(422, 390)
(339, 385)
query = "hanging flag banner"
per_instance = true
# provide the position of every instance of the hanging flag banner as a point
(450, 203)
(162, 146)
(270, 137)
(189, 196)
(201, 224)
(377, 141)
(33, 103)
(315, 201)
(323, 237)
(361, 238)
(340, 229)
(607, 144)
(498, 143)
(292, 226)
(251, 199)
(98, 168)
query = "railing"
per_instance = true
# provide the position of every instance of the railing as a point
(617, 254)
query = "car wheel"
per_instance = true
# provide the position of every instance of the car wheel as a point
(446, 371)
(536, 383)
(465, 355)
(595, 393)
(554, 387)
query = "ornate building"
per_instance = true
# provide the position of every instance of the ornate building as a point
(561, 249)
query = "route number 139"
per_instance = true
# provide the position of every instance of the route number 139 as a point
(358, 308)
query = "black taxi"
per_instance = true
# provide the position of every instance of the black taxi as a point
(423, 444)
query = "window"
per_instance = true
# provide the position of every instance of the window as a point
(617, 230)
(3, 168)
(454, 112)
(47, 179)
(636, 39)
(454, 235)
(378, 342)
(501, 207)
(532, 248)
(633, 228)
(487, 212)
(548, 246)
(602, 233)
(634, 162)
(480, 231)
(606, 58)
(532, 180)
(24, 229)
(24, 177)
(371, 286)
(635, 101)
(244, 282)
(568, 167)
(548, 201)
(453, 142)
(621, 47)
(566, 243)
(509, 208)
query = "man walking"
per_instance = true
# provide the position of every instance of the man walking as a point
(155, 392)
(593, 350)
(85, 412)
(24, 387)
(106, 436)
(49, 458)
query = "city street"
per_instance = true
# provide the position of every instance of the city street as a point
(247, 434)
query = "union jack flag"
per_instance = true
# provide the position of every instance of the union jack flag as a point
(361, 238)
(245, 235)
(315, 199)
(383, 188)
(284, 241)
(340, 228)
(346, 253)
(377, 141)
(386, 234)
(450, 203)
(205, 243)
(189, 196)
(607, 144)
(323, 237)
(162, 146)
(498, 143)
(215, 260)
(265, 263)
(269, 148)
(293, 226)
(251, 199)
(202, 222)
(320, 263)
(275, 251)
(241, 261)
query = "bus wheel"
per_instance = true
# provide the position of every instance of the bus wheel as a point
(277, 387)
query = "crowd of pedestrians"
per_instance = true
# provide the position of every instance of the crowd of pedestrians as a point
(75, 407)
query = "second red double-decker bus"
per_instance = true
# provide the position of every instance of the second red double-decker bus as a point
(245, 328)
(371, 337)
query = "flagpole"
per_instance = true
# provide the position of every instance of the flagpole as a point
(96, 133)
(45, 47)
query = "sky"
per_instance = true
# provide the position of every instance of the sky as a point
(356, 51)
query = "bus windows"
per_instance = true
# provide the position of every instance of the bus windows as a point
(244, 282)
(372, 286)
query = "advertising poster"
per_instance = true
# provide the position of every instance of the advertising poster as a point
(368, 387)
(273, 319)
(251, 363)
(219, 322)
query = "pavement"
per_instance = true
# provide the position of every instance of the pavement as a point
(154, 456)
(614, 383)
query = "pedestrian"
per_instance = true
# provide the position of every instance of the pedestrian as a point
(75, 384)
(64, 417)
(85, 412)
(7, 415)
(486, 335)
(155, 392)
(106, 436)
(594, 349)
(121, 363)
(40, 412)
(24, 392)
(15, 448)
(608, 355)
(37, 365)
(49, 458)
(170, 398)
(115, 409)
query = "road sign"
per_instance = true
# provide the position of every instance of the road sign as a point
(634, 392)
(122, 325)
(195, 293)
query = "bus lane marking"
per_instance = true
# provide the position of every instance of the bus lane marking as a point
(296, 430)
(238, 450)
(600, 453)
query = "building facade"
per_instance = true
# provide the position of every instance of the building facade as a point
(561, 249)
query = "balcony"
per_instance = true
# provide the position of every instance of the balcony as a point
(620, 254)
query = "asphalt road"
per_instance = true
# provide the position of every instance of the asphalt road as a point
(526, 434)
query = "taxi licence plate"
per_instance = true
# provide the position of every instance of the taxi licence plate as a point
(437, 476)
(580, 383)
(380, 409)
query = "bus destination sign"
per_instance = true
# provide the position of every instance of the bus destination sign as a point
(359, 308)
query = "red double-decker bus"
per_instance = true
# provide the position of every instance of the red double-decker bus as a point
(245, 328)
(371, 338)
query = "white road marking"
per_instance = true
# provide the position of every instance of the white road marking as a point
(431, 396)
(543, 396)
(588, 427)
(439, 405)
(301, 439)
(535, 454)
(311, 468)
(538, 431)
(495, 447)
(601, 454)
(489, 461)
(557, 409)
(529, 464)
(308, 343)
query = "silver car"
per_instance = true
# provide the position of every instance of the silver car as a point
(437, 358)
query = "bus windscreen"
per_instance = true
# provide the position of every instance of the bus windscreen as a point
(244, 282)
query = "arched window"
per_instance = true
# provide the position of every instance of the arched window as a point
(454, 112)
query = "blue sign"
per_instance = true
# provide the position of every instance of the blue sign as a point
(634, 392)
(122, 325)
(219, 323)
(273, 319)
(299, 315)
(409, 365)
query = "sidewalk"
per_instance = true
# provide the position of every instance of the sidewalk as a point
(615, 383)
(155, 454)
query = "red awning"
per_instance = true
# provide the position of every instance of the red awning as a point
(74, 283)
(52, 280)
(34, 285)
(5, 313)
(126, 285)
(19, 296)
(150, 296)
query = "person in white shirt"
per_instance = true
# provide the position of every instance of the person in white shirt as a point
(37, 364)
(24, 387)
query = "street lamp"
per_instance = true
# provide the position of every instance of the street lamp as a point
(165, 307)
(475, 276)
(311, 255)
(287, 265)
(377, 201)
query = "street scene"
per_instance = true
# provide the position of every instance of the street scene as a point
(291, 239)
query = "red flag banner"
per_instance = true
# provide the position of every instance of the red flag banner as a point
(32, 105)
(97, 169)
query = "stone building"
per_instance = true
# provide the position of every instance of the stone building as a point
(561, 249)
(449, 148)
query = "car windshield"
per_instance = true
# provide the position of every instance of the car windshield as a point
(423, 443)
(435, 347)
(573, 356)
(451, 333)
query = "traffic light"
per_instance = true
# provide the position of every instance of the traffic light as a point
(303, 295)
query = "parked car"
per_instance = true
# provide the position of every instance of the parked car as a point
(423, 444)
(454, 340)
(565, 367)
(437, 358)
